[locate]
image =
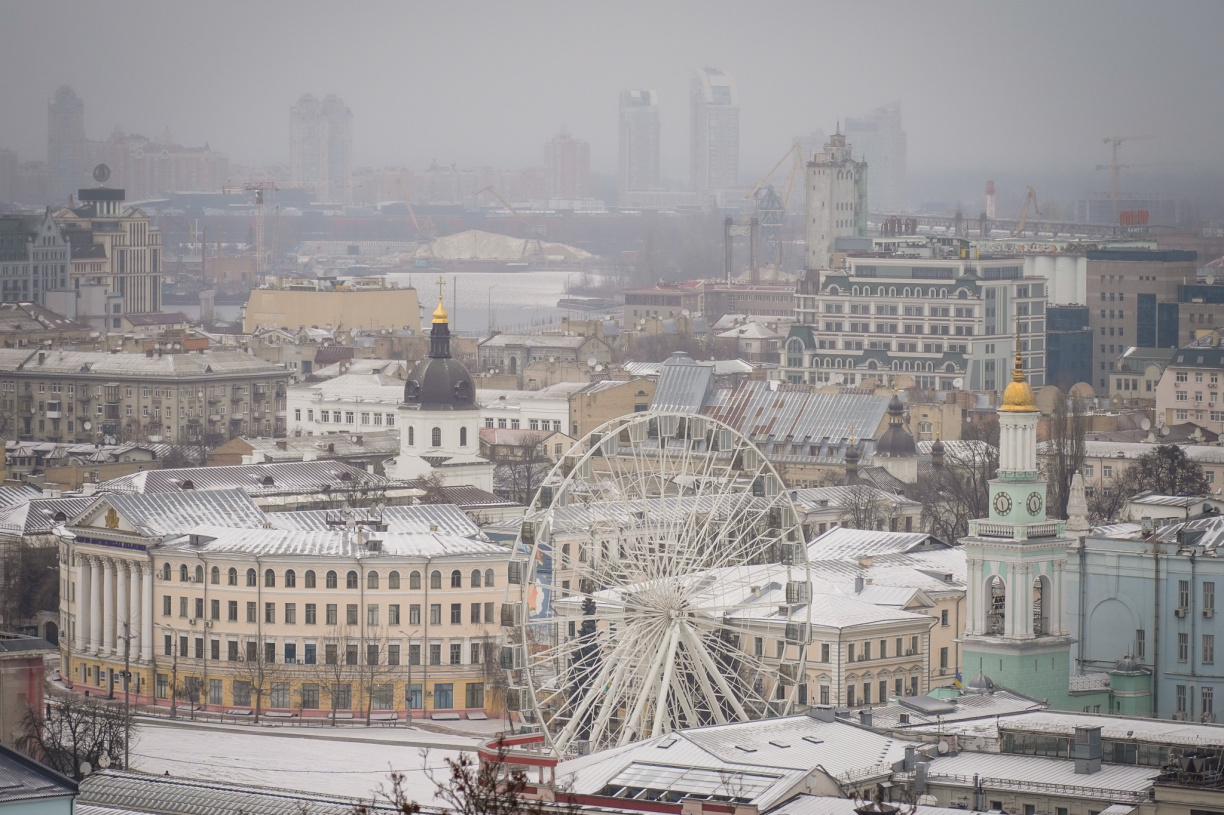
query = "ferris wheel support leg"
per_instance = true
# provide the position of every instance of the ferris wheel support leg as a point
(719, 679)
(612, 703)
(592, 694)
(665, 685)
(656, 665)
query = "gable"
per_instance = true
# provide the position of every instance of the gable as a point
(103, 515)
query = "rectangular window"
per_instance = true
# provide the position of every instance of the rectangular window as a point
(475, 615)
(474, 695)
(310, 653)
(290, 613)
(824, 652)
(310, 696)
(231, 650)
(342, 697)
(1181, 699)
(166, 605)
(393, 655)
(372, 614)
(414, 654)
(943, 618)
(444, 696)
(269, 612)
(350, 653)
(350, 614)
(456, 613)
(824, 694)
(242, 693)
(393, 614)
(456, 653)
(372, 656)
(331, 654)
(1140, 644)
(214, 610)
(1183, 593)
(1209, 596)
(332, 617)
(435, 614)
(199, 608)
(943, 659)
(474, 654)
(1183, 647)
(251, 612)
(1209, 649)
(215, 691)
(435, 653)
(1208, 704)
(312, 614)
(414, 614)
(214, 648)
(182, 606)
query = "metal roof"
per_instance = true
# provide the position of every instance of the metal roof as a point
(138, 792)
(777, 412)
(842, 542)
(208, 363)
(22, 779)
(336, 543)
(177, 512)
(1113, 782)
(42, 515)
(684, 385)
(292, 477)
(447, 518)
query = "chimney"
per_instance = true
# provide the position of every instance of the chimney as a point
(42, 357)
(822, 713)
(920, 777)
(858, 584)
(865, 717)
(282, 444)
(1086, 750)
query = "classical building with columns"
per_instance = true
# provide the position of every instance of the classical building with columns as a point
(209, 603)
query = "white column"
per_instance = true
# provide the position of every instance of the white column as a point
(108, 606)
(121, 604)
(95, 604)
(134, 610)
(81, 608)
(146, 618)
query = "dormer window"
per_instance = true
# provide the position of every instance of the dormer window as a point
(463, 390)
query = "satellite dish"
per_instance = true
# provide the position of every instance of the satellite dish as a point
(591, 362)
(1164, 431)
(87, 425)
(101, 173)
(86, 768)
(104, 761)
(684, 312)
(598, 368)
(943, 747)
(959, 382)
(837, 379)
(1145, 423)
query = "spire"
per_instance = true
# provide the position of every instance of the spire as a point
(1077, 507)
(1018, 398)
(440, 315)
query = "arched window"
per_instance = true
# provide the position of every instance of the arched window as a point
(437, 437)
(393, 580)
(214, 576)
(372, 580)
(411, 436)
(488, 578)
(310, 579)
(269, 579)
(252, 578)
(892, 291)
(435, 579)
(232, 578)
(854, 290)
(165, 571)
(475, 578)
(906, 291)
(463, 437)
(183, 573)
(456, 579)
(962, 294)
(565, 555)
(290, 579)
(350, 580)
(331, 579)
(414, 581)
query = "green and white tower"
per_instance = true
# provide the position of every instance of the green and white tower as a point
(1016, 562)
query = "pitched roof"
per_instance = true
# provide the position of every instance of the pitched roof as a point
(293, 477)
(446, 518)
(842, 542)
(336, 543)
(99, 363)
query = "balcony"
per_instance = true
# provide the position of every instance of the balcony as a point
(988, 529)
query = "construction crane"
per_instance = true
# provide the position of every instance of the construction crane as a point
(534, 231)
(771, 206)
(426, 232)
(1115, 180)
(1030, 200)
(259, 188)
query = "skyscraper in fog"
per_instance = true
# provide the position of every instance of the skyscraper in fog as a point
(639, 140)
(65, 143)
(321, 145)
(878, 139)
(714, 130)
(567, 167)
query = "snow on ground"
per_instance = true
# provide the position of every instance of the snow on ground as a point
(334, 762)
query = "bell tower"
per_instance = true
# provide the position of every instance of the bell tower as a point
(1016, 560)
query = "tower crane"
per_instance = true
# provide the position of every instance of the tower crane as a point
(1030, 200)
(259, 188)
(1115, 181)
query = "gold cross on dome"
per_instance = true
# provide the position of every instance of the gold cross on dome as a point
(441, 286)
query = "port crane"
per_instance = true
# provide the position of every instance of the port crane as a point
(1114, 143)
(260, 188)
(534, 231)
(772, 206)
(1030, 200)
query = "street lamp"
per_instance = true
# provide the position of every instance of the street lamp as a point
(491, 307)
(408, 695)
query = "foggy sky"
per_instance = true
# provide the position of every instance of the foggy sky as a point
(994, 87)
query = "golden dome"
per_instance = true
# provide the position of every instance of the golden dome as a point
(440, 315)
(1018, 398)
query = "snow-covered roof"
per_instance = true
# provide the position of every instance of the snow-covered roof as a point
(1113, 782)
(337, 543)
(292, 478)
(416, 518)
(842, 542)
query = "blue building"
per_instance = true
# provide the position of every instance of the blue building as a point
(1150, 594)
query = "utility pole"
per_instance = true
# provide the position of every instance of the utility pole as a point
(127, 692)
(408, 659)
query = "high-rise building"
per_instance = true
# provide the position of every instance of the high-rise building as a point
(878, 139)
(567, 167)
(639, 140)
(321, 145)
(714, 130)
(65, 143)
(836, 200)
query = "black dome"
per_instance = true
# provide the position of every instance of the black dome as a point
(896, 441)
(440, 383)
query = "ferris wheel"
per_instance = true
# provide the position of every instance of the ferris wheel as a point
(659, 581)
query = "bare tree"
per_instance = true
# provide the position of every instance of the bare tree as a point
(258, 668)
(338, 668)
(372, 674)
(1166, 470)
(520, 467)
(432, 485)
(1064, 451)
(75, 730)
(867, 508)
(29, 581)
(958, 491)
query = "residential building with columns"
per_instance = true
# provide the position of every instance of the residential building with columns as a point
(201, 590)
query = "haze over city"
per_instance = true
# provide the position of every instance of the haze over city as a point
(1027, 90)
